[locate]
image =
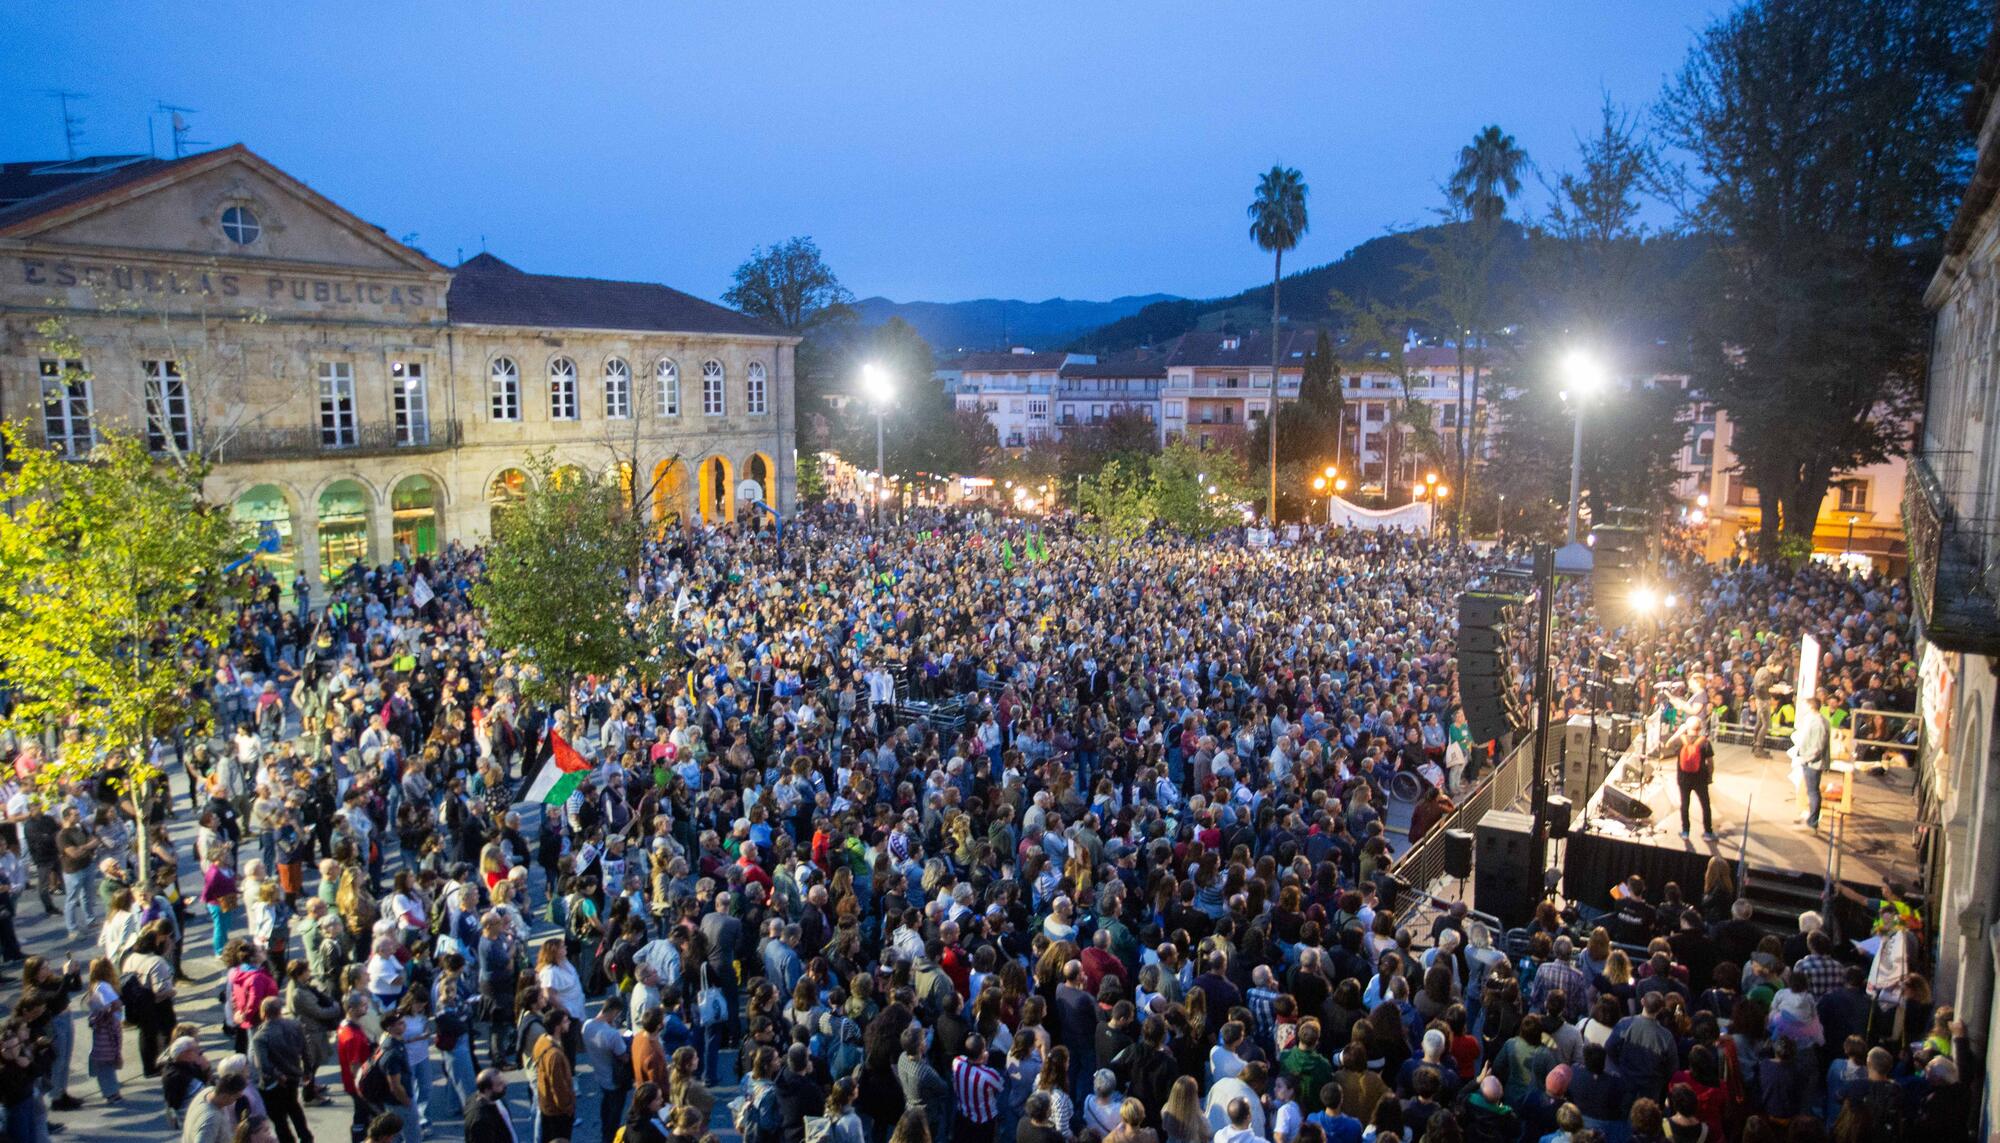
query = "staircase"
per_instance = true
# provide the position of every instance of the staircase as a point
(1779, 898)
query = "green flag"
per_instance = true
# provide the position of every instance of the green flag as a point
(1007, 554)
(1041, 545)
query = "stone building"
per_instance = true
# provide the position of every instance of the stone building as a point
(360, 400)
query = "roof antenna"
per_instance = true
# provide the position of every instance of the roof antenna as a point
(482, 244)
(181, 129)
(72, 122)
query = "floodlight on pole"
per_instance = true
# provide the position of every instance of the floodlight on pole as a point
(880, 389)
(1583, 376)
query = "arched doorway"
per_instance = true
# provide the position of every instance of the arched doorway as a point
(760, 469)
(568, 475)
(343, 529)
(413, 517)
(670, 489)
(263, 517)
(717, 499)
(625, 486)
(508, 489)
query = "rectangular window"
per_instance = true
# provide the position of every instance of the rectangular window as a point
(1175, 410)
(1038, 408)
(168, 427)
(337, 428)
(412, 402)
(1853, 496)
(1097, 412)
(66, 411)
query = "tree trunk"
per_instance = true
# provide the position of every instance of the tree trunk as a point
(1459, 435)
(1271, 415)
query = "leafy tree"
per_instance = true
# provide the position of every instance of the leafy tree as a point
(791, 286)
(1277, 222)
(1589, 265)
(557, 581)
(1127, 435)
(1488, 174)
(925, 431)
(1118, 500)
(1630, 447)
(812, 479)
(1829, 148)
(112, 584)
(1182, 476)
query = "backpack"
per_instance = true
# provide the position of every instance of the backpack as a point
(372, 1082)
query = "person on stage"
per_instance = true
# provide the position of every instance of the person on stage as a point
(1811, 751)
(1696, 772)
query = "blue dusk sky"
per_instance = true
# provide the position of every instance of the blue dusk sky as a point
(937, 151)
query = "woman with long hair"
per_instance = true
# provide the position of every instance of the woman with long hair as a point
(1182, 1120)
(1054, 1081)
(107, 1028)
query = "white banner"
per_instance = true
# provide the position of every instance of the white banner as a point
(1416, 514)
(1808, 668)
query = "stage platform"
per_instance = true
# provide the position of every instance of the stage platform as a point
(1876, 839)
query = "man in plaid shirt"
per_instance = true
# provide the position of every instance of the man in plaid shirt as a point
(1263, 999)
(1558, 974)
(1823, 973)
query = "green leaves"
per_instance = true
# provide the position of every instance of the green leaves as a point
(557, 581)
(110, 576)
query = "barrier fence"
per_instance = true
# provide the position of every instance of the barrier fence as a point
(1423, 863)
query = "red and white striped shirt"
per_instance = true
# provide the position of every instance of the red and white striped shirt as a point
(978, 1090)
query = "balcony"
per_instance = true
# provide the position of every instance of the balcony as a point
(304, 442)
(1948, 573)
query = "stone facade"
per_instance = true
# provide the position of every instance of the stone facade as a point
(326, 369)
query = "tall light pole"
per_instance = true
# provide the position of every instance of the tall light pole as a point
(1583, 376)
(875, 382)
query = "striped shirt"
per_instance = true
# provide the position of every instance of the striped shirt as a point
(978, 1090)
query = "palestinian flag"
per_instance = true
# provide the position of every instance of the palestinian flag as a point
(560, 775)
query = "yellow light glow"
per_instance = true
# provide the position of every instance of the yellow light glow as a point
(1319, 484)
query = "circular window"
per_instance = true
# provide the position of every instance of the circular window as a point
(240, 226)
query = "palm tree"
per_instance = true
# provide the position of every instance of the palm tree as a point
(1277, 222)
(1489, 173)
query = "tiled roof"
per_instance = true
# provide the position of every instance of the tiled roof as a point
(1010, 362)
(1138, 363)
(1206, 348)
(31, 189)
(488, 291)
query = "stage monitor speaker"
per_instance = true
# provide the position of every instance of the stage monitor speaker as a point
(1624, 805)
(1559, 815)
(1624, 696)
(1504, 882)
(1622, 730)
(1458, 853)
(1584, 768)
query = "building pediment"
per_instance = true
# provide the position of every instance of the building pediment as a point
(228, 206)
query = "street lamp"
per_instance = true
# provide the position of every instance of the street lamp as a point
(1329, 481)
(1583, 376)
(880, 389)
(1849, 549)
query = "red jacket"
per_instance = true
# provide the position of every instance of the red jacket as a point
(354, 1049)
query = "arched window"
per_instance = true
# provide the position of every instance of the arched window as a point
(755, 402)
(617, 389)
(504, 386)
(668, 376)
(562, 389)
(713, 403)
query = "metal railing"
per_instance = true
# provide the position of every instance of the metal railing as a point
(308, 442)
(1423, 863)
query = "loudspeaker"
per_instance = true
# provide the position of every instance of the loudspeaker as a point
(1622, 730)
(1484, 641)
(1481, 688)
(1504, 884)
(1624, 697)
(1559, 814)
(1487, 608)
(1458, 853)
(1624, 805)
(1584, 769)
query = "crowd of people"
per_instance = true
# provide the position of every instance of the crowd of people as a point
(923, 843)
